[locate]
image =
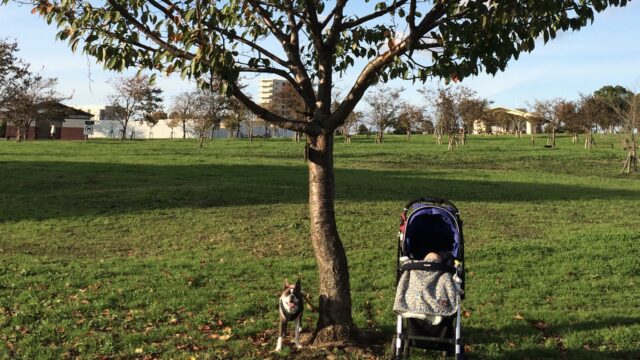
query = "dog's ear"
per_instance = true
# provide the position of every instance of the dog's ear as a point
(298, 286)
(285, 286)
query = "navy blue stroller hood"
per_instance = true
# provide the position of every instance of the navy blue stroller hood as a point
(428, 225)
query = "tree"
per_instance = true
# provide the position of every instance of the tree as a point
(11, 70)
(590, 111)
(615, 97)
(208, 110)
(471, 108)
(153, 119)
(444, 108)
(317, 41)
(551, 111)
(134, 98)
(24, 96)
(29, 98)
(293, 106)
(410, 119)
(235, 117)
(351, 124)
(626, 110)
(566, 112)
(251, 121)
(384, 108)
(180, 110)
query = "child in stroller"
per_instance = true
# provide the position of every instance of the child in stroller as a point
(430, 278)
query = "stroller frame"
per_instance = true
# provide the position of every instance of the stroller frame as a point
(410, 331)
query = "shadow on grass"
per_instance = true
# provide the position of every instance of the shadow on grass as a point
(49, 190)
(555, 333)
(501, 337)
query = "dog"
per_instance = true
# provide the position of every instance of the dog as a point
(290, 306)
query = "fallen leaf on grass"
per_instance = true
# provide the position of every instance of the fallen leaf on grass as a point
(138, 351)
(466, 313)
(511, 345)
(541, 325)
(518, 317)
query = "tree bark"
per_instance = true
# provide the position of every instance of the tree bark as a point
(124, 131)
(334, 322)
(184, 129)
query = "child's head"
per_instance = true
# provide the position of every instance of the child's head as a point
(433, 257)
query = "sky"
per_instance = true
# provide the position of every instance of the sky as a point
(604, 53)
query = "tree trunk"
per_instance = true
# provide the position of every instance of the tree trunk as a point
(631, 162)
(184, 129)
(124, 131)
(334, 321)
(19, 134)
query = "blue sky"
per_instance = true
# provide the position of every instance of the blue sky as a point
(605, 53)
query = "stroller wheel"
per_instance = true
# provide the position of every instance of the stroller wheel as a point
(406, 347)
(394, 355)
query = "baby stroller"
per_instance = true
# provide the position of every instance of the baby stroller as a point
(428, 292)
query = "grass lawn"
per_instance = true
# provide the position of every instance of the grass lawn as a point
(157, 249)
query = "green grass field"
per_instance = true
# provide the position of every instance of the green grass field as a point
(157, 249)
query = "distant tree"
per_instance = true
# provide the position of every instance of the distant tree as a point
(384, 108)
(410, 119)
(444, 107)
(427, 126)
(208, 110)
(471, 107)
(590, 111)
(566, 111)
(134, 98)
(351, 124)
(550, 111)
(251, 121)
(293, 106)
(236, 115)
(626, 110)
(616, 98)
(180, 110)
(11, 70)
(24, 96)
(363, 129)
(29, 98)
(152, 119)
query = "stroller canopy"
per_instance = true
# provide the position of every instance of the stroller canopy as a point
(431, 228)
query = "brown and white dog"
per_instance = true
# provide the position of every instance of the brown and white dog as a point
(290, 306)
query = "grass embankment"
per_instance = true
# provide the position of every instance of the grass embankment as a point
(144, 249)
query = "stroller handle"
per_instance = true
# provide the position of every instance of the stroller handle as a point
(432, 200)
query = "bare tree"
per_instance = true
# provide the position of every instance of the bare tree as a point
(236, 115)
(627, 113)
(549, 111)
(444, 107)
(350, 125)
(590, 111)
(134, 98)
(180, 110)
(33, 98)
(208, 110)
(384, 108)
(471, 107)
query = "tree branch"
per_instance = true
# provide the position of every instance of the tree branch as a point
(299, 126)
